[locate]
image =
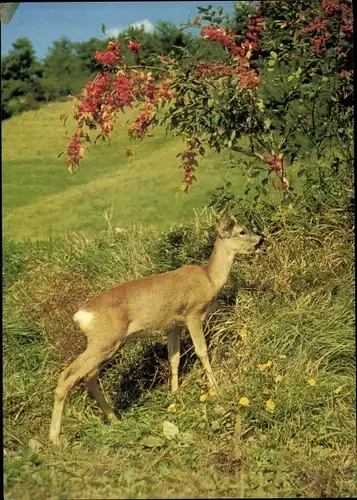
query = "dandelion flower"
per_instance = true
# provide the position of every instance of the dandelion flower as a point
(244, 332)
(172, 408)
(244, 401)
(278, 378)
(338, 390)
(203, 397)
(270, 404)
(263, 367)
(282, 356)
(311, 382)
(212, 392)
(266, 390)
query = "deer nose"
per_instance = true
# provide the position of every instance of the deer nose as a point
(260, 242)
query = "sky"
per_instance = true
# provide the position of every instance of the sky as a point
(43, 23)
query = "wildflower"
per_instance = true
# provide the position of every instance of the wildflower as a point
(338, 390)
(172, 408)
(244, 401)
(278, 379)
(270, 404)
(243, 332)
(282, 356)
(203, 397)
(134, 46)
(266, 390)
(212, 392)
(263, 367)
(311, 382)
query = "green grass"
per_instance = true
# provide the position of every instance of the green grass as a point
(40, 197)
(292, 305)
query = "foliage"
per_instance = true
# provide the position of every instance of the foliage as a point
(269, 100)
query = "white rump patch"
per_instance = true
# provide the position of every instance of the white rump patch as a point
(83, 318)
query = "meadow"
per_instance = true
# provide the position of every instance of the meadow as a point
(281, 343)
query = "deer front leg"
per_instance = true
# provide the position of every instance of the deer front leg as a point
(173, 348)
(194, 324)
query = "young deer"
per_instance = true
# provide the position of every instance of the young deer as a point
(168, 301)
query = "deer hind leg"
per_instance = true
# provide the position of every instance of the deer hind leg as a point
(91, 383)
(83, 365)
(194, 324)
(173, 347)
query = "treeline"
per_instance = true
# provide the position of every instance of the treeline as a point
(27, 82)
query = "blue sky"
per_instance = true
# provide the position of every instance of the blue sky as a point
(45, 22)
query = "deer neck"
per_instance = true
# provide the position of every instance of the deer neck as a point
(219, 264)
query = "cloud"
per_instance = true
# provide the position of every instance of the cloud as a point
(145, 23)
(113, 32)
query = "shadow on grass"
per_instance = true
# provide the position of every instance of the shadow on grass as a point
(150, 371)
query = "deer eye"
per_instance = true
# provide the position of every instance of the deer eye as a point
(242, 232)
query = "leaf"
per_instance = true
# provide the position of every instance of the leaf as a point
(219, 410)
(103, 29)
(267, 123)
(169, 430)
(152, 441)
(187, 437)
(60, 154)
(260, 105)
(35, 445)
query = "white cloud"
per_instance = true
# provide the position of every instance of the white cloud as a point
(114, 32)
(145, 23)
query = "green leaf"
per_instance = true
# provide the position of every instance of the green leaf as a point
(260, 105)
(152, 442)
(230, 144)
(103, 29)
(169, 430)
(267, 123)
(233, 135)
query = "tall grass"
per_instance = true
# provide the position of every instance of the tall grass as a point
(282, 347)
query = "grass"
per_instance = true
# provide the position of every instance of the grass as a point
(281, 343)
(287, 336)
(41, 198)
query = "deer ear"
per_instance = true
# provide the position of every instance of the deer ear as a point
(225, 225)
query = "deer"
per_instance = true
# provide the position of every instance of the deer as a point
(167, 301)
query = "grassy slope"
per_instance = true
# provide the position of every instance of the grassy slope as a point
(296, 300)
(40, 197)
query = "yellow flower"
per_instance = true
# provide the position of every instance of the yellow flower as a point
(282, 356)
(244, 401)
(278, 378)
(338, 390)
(270, 404)
(266, 390)
(245, 368)
(263, 367)
(311, 382)
(172, 408)
(203, 397)
(244, 332)
(212, 392)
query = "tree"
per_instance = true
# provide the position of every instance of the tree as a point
(287, 95)
(21, 78)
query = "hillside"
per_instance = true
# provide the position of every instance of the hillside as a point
(41, 198)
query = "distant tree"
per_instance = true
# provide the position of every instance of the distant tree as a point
(21, 76)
